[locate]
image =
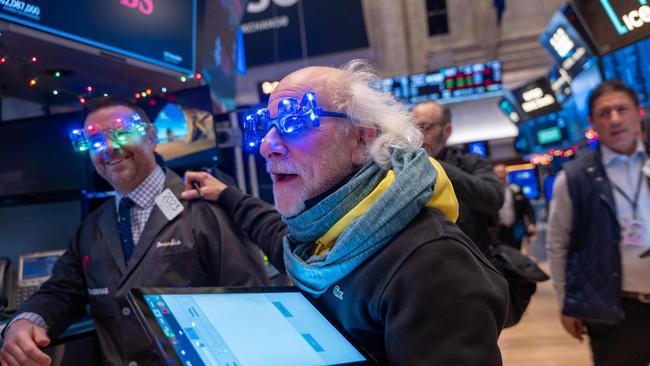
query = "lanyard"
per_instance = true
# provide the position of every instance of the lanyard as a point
(634, 203)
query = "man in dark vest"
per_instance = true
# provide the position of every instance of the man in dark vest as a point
(599, 234)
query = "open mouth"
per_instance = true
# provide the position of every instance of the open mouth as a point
(281, 177)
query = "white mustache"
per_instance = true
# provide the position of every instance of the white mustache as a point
(282, 167)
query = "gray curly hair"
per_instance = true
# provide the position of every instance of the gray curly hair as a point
(357, 95)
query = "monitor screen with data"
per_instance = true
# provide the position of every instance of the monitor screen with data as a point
(265, 327)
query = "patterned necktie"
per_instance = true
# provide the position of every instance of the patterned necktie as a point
(124, 227)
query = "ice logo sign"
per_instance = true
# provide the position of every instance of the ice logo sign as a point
(630, 21)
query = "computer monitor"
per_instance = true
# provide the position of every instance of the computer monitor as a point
(185, 124)
(527, 180)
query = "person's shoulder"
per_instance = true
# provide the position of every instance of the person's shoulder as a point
(582, 159)
(431, 227)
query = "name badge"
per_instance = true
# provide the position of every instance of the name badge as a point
(632, 233)
(169, 204)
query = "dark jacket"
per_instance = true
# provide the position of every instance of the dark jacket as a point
(479, 193)
(428, 298)
(199, 247)
(593, 267)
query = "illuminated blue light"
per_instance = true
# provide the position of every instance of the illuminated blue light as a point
(292, 116)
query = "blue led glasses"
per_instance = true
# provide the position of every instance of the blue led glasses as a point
(92, 138)
(292, 117)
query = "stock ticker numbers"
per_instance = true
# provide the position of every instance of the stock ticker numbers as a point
(448, 85)
(21, 8)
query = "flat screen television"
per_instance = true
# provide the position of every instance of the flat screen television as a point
(631, 65)
(448, 85)
(536, 98)
(527, 180)
(37, 157)
(614, 24)
(161, 32)
(565, 44)
(185, 124)
(479, 148)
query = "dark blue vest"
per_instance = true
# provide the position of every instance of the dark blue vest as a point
(593, 268)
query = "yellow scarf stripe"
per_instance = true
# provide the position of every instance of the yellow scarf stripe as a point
(443, 198)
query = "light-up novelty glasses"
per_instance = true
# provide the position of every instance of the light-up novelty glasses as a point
(292, 117)
(94, 139)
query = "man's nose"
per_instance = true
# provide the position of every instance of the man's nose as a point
(615, 116)
(273, 145)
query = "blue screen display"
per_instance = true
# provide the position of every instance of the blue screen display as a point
(632, 66)
(38, 267)
(477, 148)
(249, 329)
(527, 180)
(161, 32)
(563, 42)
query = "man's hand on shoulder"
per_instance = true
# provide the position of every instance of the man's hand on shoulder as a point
(210, 186)
(21, 345)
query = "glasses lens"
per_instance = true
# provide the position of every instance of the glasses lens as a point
(287, 107)
(78, 140)
(120, 136)
(251, 139)
(97, 142)
(291, 124)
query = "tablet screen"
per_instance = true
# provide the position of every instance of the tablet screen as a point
(274, 328)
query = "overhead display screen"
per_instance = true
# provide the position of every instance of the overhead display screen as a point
(560, 83)
(282, 30)
(542, 133)
(536, 98)
(161, 32)
(448, 85)
(614, 23)
(562, 41)
(631, 65)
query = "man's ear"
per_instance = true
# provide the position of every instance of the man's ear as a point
(152, 135)
(363, 137)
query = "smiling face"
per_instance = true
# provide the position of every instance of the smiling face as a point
(307, 163)
(123, 165)
(617, 120)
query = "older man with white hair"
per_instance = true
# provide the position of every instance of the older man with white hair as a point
(365, 222)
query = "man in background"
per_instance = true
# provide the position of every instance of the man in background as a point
(480, 195)
(599, 264)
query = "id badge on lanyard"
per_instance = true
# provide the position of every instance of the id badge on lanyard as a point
(632, 229)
